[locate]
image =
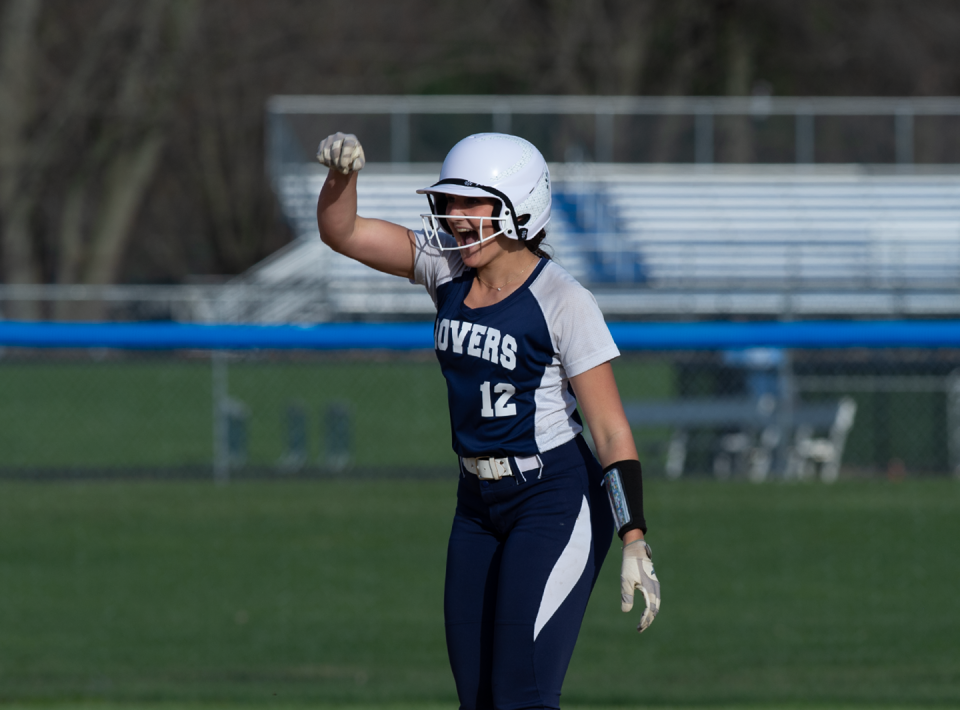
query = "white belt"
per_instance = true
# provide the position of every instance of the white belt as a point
(488, 468)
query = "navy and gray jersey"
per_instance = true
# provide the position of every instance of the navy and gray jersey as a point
(508, 365)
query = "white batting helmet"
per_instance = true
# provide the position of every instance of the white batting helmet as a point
(507, 168)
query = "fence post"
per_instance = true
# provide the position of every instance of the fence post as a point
(784, 416)
(953, 421)
(703, 135)
(295, 434)
(400, 136)
(502, 118)
(221, 434)
(804, 137)
(603, 137)
(903, 125)
(337, 436)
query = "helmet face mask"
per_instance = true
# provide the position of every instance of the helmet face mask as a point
(433, 224)
(508, 169)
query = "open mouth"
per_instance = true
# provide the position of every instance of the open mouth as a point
(467, 236)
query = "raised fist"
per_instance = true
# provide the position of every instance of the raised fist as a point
(341, 152)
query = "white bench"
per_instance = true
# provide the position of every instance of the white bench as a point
(759, 428)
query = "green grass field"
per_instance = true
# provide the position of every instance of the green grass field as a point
(328, 594)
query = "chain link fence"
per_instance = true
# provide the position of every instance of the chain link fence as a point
(761, 414)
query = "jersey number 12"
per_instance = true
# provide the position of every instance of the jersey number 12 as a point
(504, 407)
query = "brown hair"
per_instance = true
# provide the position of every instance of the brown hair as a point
(536, 244)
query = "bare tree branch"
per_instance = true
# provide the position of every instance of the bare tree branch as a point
(17, 63)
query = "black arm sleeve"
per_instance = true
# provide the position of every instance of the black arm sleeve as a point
(624, 483)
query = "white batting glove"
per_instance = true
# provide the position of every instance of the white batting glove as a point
(341, 152)
(636, 572)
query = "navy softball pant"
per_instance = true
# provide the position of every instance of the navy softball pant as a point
(524, 554)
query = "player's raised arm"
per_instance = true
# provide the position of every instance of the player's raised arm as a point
(381, 245)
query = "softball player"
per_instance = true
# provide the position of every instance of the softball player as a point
(520, 344)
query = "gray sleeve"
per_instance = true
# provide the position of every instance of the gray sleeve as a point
(432, 267)
(580, 335)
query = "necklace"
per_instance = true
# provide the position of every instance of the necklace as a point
(500, 288)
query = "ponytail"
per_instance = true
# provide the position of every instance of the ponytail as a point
(536, 244)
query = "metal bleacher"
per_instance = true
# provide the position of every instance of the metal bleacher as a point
(769, 240)
(669, 240)
(693, 238)
(850, 232)
(319, 284)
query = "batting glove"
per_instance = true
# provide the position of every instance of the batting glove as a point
(636, 572)
(341, 152)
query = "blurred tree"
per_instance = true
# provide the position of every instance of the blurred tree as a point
(17, 64)
(131, 134)
(84, 144)
(738, 42)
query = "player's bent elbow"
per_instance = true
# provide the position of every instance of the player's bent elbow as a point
(330, 240)
(333, 237)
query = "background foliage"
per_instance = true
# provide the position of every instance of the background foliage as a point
(131, 135)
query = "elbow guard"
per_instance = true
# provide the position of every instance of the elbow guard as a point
(624, 483)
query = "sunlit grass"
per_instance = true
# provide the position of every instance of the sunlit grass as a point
(298, 594)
